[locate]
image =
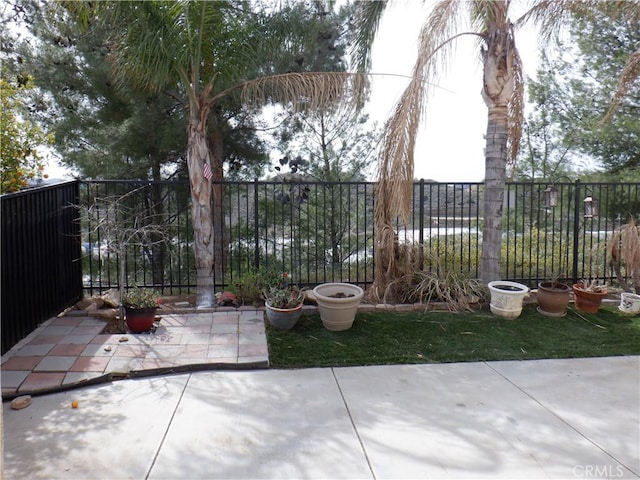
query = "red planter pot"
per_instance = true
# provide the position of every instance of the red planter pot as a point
(586, 301)
(140, 320)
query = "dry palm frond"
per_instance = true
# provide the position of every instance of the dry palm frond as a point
(395, 168)
(624, 251)
(551, 15)
(302, 91)
(394, 189)
(630, 73)
(515, 112)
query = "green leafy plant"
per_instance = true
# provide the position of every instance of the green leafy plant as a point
(284, 298)
(249, 287)
(140, 298)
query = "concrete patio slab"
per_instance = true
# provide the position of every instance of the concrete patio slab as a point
(114, 433)
(598, 397)
(566, 419)
(464, 421)
(271, 424)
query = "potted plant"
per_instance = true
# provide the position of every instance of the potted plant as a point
(338, 304)
(506, 298)
(140, 305)
(588, 295)
(283, 306)
(553, 297)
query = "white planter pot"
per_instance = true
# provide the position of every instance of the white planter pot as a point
(338, 304)
(507, 297)
(629, 303)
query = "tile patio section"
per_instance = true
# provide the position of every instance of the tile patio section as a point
(70, 351)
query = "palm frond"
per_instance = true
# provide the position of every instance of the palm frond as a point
(301, 91)
(515, 112)
(366, 24)
(630, 73)
(395, 167)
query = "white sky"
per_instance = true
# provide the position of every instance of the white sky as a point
(450, 144)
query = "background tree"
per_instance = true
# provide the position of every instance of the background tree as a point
(543, 156)
(575, 90)
(208, 51)
(20, 138)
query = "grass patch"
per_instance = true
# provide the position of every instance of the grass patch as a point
(439, 337)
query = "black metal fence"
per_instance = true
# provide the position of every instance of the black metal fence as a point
(41, 270)
(323, 231)
(53, 248)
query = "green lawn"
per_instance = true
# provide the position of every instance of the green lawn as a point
(434, 337)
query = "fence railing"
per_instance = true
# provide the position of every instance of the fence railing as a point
(41, 270)
(314, 231)
(323, 231)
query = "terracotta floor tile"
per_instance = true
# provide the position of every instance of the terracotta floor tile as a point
(92, 350)
(224, 328)
(77, 339)
(251, 328)
(66, 321)
(42, 339)
(67, 350)
(76, 377)
(252, 350)
(87, 330)
(90, 364)
(13, 379)
(172, 321)
(222, 351)
(224, 339)
(56, 330)
(41, 380)
(193, 351)
(222, 318)
(55, 364)
(21, 363)
(92, 322)
(34, 350)
(195, 339)
(252, 339)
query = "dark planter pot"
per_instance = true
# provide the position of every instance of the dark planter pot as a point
(140, 320)
(283, 318)
(553, 298)
(586, 301)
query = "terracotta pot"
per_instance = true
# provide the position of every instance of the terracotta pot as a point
(553, 298)
(283, 318)
(587, 301)
(140, 320)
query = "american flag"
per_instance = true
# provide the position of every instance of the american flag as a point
(206, 171)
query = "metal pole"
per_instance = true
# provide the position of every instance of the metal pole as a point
(576, 228)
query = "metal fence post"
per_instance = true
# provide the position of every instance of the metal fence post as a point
(576, 228)
(421, 224)
(256, 232)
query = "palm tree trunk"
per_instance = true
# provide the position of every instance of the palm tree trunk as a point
(499, 60)
(495, 163)
(197, 156)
